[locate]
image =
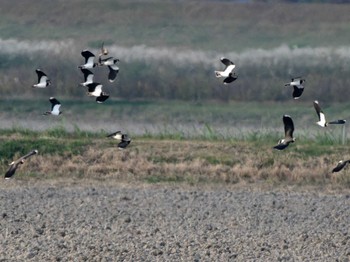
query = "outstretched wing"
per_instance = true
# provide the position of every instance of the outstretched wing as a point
(321, 116)
(113, 72)
(226, 62)
(288, 126)
(298, 90)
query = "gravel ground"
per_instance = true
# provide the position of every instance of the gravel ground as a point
(97, 221)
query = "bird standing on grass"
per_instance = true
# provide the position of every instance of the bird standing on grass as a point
(297, 84)
(43, 80)
(228, 73)
(123, 138)
(55, 107)
(14, 165)
(288, 133)
(322, 118)
(341, 165)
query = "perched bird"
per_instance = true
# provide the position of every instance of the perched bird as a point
(88, 77)
(95, 89)
(55, 107)
(43, 80)
(89, 59)
(341, 165)
(123, 138)
(288, 133)
(298, 87)
(14, 165)
(228, 73)
(322, 118)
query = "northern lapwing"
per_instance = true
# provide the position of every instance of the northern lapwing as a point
(95, 89)
(322, 118)
(43, 80)
(89, 59)
(288, 133)
(14, 165)
(298, 87)
(123, 138)
(296, 81)
(88, 77)
(110, 61)
(55, 107)
(341, 164)
(228, 73)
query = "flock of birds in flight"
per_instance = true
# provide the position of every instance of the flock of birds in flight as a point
(94, 89)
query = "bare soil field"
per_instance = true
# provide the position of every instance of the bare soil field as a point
(90, 220)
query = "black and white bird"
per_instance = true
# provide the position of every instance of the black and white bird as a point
(111, 63)
(228, 73)
(102, 97)
(298, 87)
(55, 107)
(43, 80)
(15, 164)
(89, 59)
(113, 72)
(288, 133)
(341, 164)
(88, 77)
(123, 138)
(95, 89)
(322, 118)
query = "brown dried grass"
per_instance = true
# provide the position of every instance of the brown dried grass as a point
(190, 162)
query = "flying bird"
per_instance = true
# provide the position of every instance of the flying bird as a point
(15, 164)
(296, 81)
(288, 133)
(107, 61)
(123, 138)
(95, 89)
(341, 165)
(298, 87)
(88, 77)
(89, 59)
(228, 73)
(55, 107)
(43, 80)
(322, 118)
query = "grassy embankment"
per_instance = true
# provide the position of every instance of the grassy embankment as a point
(150, 159)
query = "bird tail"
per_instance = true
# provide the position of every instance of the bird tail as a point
(46, 113)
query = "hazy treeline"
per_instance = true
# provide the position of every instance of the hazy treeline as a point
(172, 73)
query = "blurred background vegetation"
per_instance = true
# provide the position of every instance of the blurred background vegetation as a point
(170, 49)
